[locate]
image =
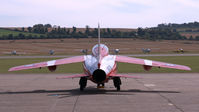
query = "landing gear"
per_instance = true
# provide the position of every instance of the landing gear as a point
(100, 85)
(82, 83)
(117, 82)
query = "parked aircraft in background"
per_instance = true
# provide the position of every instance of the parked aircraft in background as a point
(100, 66)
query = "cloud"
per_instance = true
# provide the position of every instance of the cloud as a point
(110, 13)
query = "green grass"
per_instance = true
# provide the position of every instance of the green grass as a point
(4, 32)
(191, 61)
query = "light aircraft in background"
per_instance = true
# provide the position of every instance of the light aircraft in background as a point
(100, 66)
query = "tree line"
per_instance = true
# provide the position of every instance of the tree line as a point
(184, 25)
(47, 31)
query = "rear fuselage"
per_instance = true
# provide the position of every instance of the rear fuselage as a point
(99, 66)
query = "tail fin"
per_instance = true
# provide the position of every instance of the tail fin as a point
(98, 45)
(98, 39)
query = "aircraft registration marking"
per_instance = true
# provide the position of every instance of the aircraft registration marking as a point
(51, 63)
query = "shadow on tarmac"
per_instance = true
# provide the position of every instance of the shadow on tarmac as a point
(87, 91)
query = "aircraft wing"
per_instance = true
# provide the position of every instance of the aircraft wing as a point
(49, 63)
(132, 60)
(72, 76)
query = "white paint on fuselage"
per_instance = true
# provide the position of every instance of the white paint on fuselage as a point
(91, 63)
(107, 63)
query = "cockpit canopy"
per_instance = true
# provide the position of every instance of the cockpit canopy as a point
(103, 50)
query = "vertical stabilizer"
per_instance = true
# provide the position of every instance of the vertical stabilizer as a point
(98, 45)
(98, 39)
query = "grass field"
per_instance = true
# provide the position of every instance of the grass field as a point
(74, 46)
(191, 61)
(4, 32)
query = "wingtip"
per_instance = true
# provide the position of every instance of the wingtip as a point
(189, 69)
(10, 70)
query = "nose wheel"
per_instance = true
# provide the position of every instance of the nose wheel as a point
(100, 85)
(117, 82)
(82, 83)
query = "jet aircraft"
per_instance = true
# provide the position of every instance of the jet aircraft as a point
(100, 66)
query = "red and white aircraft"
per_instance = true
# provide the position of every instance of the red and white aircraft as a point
(100, 66)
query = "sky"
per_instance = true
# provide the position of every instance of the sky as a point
(109, 13)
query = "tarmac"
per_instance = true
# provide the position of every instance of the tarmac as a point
(168, 92)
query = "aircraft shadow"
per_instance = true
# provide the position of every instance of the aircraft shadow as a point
(87, 91)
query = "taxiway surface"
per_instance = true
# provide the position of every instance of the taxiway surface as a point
(177, 92)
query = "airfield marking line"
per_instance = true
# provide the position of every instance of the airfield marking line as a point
(149, 85)
(161, 95)
(53, 106)
(75, 104)
(171, 103)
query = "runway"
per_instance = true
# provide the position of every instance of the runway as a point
(176, 92)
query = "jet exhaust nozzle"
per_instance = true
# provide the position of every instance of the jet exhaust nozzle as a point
(99, 76)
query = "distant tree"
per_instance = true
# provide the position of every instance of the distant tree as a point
(64, 30)
(29, 29)
(59, 30)
(39, 28)
(10, 36)
(74, 30)
(23, 29)
(191, 37)
(68, 32)
(16, 29)
(197, 38)
(21, 35)
(29, 36)
(48, 26)
(35, 37)
(45, 30)
(42, 36)
(95, 32)
(87, 31)
(140, 32)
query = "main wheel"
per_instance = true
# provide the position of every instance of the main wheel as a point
(82, 83)
(117, 83)
(118, 88)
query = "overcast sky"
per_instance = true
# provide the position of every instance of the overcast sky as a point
(110, 13)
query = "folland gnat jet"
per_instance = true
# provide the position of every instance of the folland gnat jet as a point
(100, 66)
